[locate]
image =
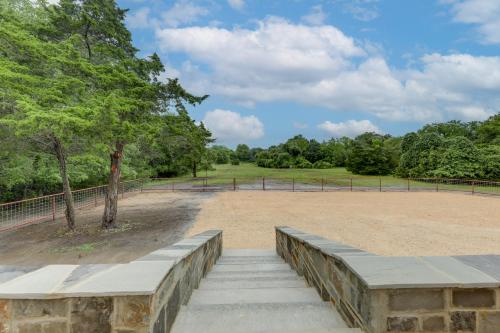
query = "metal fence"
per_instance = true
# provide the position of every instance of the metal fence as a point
(48, 208)
(382, 184)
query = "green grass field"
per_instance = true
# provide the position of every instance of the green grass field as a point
(248, 173)
(249, 170)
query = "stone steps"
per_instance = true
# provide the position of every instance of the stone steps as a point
(254, 291)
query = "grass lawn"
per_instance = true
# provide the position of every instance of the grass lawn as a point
(250, 173)
(250, 170)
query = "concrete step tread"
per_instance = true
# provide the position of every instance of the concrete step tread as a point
(255, 296)
(251, 274)
(260, 267)
(260, 318)
(248, 253)
(249, 260)
(212, 284)
(244, 277)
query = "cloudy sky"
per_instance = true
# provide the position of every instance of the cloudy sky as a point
(326, 68)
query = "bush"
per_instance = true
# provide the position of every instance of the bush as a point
(322, 165)
(302, 163)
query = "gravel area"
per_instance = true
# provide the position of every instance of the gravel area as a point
(395, 224)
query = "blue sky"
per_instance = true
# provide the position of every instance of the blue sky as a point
(325, 68)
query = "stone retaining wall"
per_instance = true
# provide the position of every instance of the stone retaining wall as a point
(398, 294)
(140, 297)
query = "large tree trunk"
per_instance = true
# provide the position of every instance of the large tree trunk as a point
(194, 167)
(111, 200)
(68, 195)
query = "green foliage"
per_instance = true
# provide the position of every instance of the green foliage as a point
(453, 150)
(243, 153)
(234, 159)
(221, 154)
(369, 155)
(299, 152)
(70, 75)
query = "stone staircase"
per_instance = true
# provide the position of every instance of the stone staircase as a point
(255, 291)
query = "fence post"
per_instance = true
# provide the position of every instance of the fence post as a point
(263, 183)
(95, 197)
(408, 184)
(322, 184)
(234, 184)
(173, 187)
(473, 187)
(351, 184)
(293, 184)
(142, 184)
(53, 208)
(380, 184)
(437, 185)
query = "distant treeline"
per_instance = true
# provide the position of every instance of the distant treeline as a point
(450, 150)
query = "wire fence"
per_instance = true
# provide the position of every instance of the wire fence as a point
(382, 184)
(48, 208)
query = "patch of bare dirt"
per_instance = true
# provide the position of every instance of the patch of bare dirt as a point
(146, 222)
(383, 223)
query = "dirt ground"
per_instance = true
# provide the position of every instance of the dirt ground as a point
(146, 222)
(383, 223)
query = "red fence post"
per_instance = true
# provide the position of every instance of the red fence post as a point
(53, 208)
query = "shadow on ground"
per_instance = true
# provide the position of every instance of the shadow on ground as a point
(145, 222)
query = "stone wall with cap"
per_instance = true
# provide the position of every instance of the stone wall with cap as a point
(139, 297)
(382, 294)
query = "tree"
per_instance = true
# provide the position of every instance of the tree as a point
(313, 151)
(368, 156)
(460, 159)
(243, 152)
(221, 153)
(489, 131)
(234, 159)
(44, 88)
(296, 146)
(128, 88)
(186, 142)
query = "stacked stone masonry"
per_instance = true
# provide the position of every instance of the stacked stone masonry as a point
(398, 294)
(139, 297)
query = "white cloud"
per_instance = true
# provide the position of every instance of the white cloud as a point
(350, 128)
(183, 12)
(139, 19)
(321, 66)
(485, 14)
(236, 4)
(229, 127)
(316, 17)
